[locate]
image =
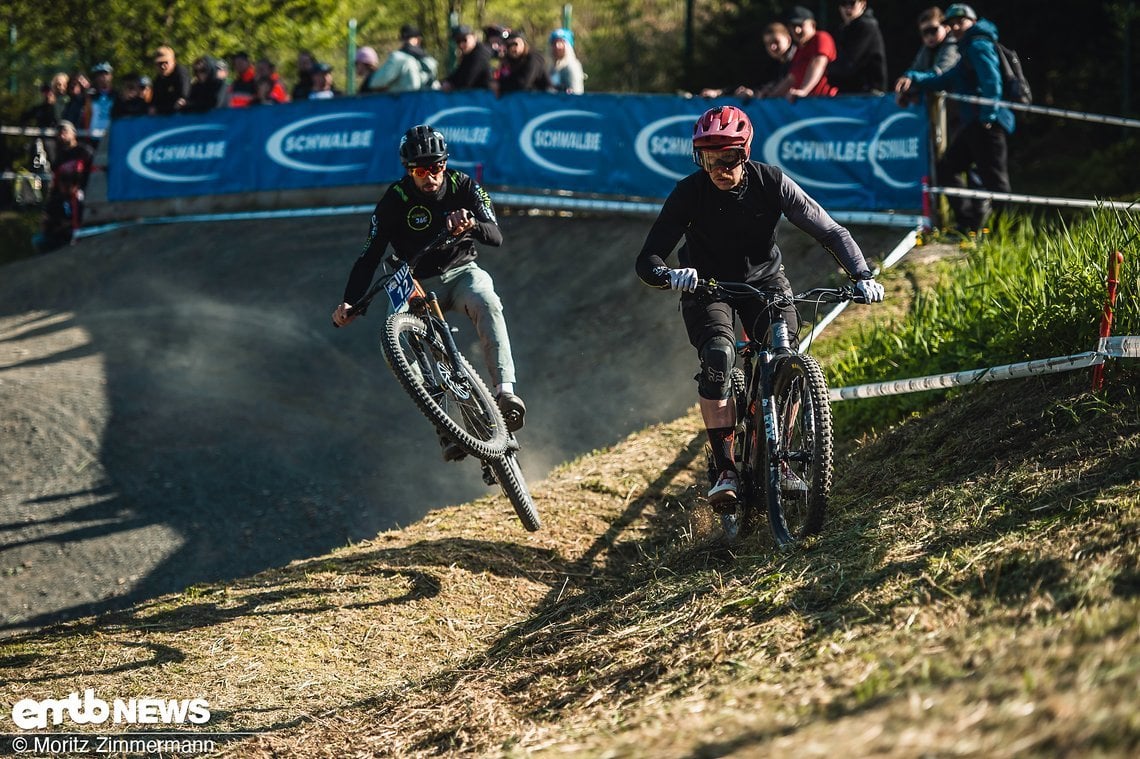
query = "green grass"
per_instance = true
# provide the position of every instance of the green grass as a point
(1029, 290)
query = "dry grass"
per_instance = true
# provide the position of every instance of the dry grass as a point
(974, 593)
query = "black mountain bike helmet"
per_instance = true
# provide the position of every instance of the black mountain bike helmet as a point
(422, 146)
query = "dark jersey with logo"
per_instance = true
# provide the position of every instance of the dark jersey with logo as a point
(408, 220)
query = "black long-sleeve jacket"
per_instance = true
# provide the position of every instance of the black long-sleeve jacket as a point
(731, 235)
(408, 220)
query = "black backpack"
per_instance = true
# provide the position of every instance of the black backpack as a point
(1014, 85)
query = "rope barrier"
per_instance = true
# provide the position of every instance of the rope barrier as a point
(1010, 197)
(1094, 118)
(1112, 347)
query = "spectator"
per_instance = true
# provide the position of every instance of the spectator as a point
(207, 91)
(78, 87)
(522, 70)
(40, 151)
(59, 84)
(63, 210)
(860, 64)
(264, 94)
(323, 88)
(938, 52)
(171, 86)
(267, 69)
(101, 102)
(301, 89)
(980, 141)
(131, 101)
(566, 73)
(408, 68)
(42, 114)
(244, 85)
(807, 74)
(778, 45)
(473, 71)
(495, 37)
(367, 64)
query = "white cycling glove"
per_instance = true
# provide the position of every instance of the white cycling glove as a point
(871, 290)
(683, 279)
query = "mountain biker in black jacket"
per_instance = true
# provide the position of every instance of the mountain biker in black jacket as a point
(727, 212)
(412, 213)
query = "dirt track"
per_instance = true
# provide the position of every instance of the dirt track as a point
(176, 408)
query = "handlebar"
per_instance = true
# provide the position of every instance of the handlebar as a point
(444, 237)
(779, 297)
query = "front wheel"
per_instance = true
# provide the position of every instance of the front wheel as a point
(452, 396)
(510, 477)
(797, 469)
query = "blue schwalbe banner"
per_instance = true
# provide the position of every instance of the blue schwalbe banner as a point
(850, 153)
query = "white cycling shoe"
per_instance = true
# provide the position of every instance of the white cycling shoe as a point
(725, 489)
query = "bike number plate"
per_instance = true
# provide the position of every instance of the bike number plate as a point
(400, 288)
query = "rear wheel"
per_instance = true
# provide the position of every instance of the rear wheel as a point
(798, 470)
(509, 474)
(454, 398)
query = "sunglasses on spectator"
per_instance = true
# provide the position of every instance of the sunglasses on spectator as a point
(423, 172)
(930, 31)
(710, 160)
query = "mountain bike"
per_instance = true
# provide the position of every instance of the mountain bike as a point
(419, 347)
(783, 440)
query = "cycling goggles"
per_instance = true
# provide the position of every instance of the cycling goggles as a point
(422, 172)
(720, 159)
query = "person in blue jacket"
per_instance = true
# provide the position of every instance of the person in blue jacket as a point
(980, 141)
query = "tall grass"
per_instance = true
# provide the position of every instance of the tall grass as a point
(1030, 290)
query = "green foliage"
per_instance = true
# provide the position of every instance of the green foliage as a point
(1032, 290)
(16, 230)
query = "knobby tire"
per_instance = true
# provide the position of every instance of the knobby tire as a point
(480, 429)
(803, 413)
(511, 480)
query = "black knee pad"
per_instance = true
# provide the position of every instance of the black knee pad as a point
(717, 357)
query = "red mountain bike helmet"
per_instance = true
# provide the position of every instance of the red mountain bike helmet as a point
(722, 127)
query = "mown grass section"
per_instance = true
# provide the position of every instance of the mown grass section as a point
(1029, 290)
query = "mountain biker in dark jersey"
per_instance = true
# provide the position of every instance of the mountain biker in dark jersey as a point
(412, 213)
(727, 212)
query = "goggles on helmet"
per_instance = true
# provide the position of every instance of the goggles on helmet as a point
(727, 159)
(422, 172)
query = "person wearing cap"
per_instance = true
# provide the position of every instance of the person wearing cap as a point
(408, 68)
(413, 212)
(101, 101)
(565, 73)
(473, 70)
(979, 144)
(171, 85)
(523, 69)
(323, 88)
(815, 50)
(727, 212)
(132, 101)
(860, 64)
(367, 63)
